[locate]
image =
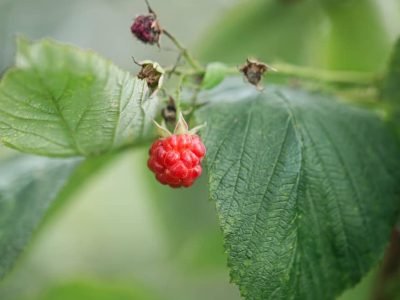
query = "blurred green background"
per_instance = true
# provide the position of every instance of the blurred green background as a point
(124, 236)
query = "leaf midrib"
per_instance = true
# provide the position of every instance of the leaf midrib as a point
(52, 98)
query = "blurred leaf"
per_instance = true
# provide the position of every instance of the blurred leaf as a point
(28, 185)
(91, 290)
(62, 101)
(188, 221)
(362, 290)
(184, 230)
(352, 45)
(325, 33)
(203, 252)
(32, 189)
(390, 90)
(215, 74)
(268, 30)
(306, 189)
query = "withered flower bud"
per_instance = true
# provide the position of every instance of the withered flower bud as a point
(254, 71)
(147, 28)
(153, 73)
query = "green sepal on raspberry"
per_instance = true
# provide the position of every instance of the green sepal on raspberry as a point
(176, 157)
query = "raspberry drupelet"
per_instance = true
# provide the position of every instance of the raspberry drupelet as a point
(176, 158)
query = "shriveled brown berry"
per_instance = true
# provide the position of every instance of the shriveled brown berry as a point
(147, 29)
(152, 73)
(254, 71)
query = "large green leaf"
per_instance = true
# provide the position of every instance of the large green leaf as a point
(32, 188)
(306, 189)
(62, 101)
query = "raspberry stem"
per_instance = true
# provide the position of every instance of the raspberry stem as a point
(185, 53)
(307, 73)
(149, 7)
(178, 94)
(339, 77)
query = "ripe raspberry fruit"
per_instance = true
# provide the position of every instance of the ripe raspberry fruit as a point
(176, 158)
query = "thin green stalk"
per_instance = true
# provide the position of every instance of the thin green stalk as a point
(185, 53)
(328, 76)
(339, 77)
(178, 94)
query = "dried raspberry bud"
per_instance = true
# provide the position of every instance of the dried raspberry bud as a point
(147, 28)
(254, 71)
(176, 158)
(153, 73)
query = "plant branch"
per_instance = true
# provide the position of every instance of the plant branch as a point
(178, 94)
(390, 269)
(339, 77)
(185, 53)
(317, 75)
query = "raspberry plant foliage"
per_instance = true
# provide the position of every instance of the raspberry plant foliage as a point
(62, 101)
(305, 183)
(295, 186)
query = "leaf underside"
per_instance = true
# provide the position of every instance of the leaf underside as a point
(306, 189)
(62, 101)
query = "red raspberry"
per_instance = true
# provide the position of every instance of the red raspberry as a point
(176, 159)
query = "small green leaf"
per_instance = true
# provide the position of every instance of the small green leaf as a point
(215, 74)
(62, 101)
(306, 189)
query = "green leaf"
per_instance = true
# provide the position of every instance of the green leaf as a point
(267, 30)
(390, 89)
(306, 189)
(89, 289)
(62, 101)
(321, 33)
(215, 74)
(32, 189)
(352, 45)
